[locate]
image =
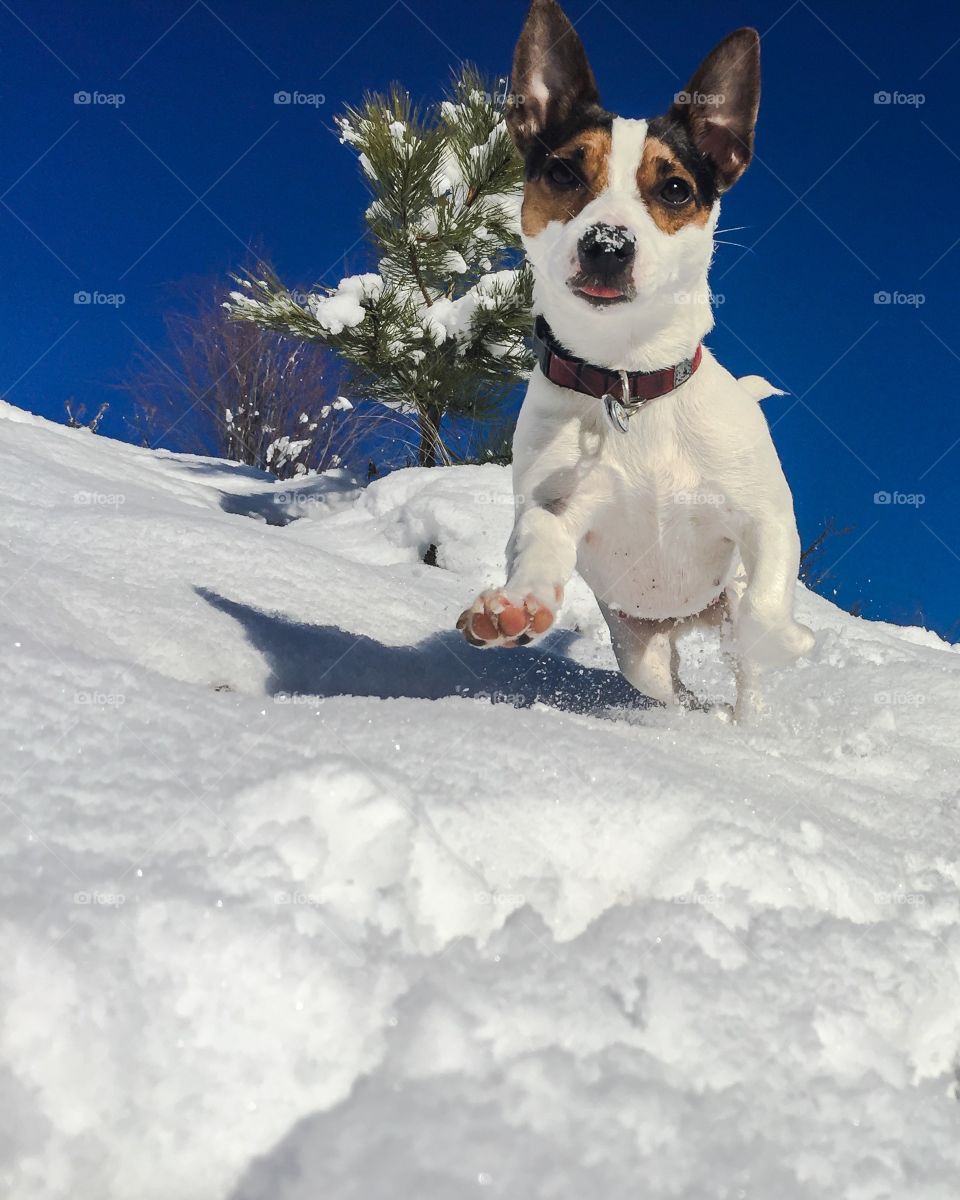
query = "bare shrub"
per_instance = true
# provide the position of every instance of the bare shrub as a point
(231, 389)
(77, 417)
(813, 571)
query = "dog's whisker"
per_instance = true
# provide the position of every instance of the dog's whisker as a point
(732, 229)
(739, 245)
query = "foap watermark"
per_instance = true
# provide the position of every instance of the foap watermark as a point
(900, 299)
(900, 99)
(900, 699)
(99, 499)
(300, 99)
(698, 898)
(100, 299)
(299, 899)
(898, 898)
(714, 299)
(514, 699)
(296, 698)
(100, 899)
(900, 499)
(100, 699)
(502, 499)
(501, 899)
(702, 99)
(100, 99)
(693, 498)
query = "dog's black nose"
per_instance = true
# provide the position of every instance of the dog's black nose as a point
(606, 249)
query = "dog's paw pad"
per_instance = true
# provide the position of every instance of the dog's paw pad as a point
(512, 621)
(495, 620)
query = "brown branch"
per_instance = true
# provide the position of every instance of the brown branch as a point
(415, 267)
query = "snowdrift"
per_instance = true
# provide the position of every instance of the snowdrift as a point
(301, 897)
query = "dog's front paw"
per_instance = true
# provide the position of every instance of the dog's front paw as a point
(496, 619)
(773, 645)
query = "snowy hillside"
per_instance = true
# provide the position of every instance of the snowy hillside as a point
(302, 897)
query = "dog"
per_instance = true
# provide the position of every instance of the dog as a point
(638, 460)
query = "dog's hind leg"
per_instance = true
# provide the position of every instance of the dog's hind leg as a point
(749, 701)
(649, 658)
(647, 655)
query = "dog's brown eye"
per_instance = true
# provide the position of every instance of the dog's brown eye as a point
(676, 191)
(560, 174)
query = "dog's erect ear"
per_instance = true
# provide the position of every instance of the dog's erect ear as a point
(719, 106)
(551, 75)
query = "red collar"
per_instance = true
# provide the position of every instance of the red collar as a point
(567, 371)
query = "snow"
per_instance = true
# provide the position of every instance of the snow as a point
(284, 450)
(302, 897)
(447, 318)
(343, 307)
(448, 176)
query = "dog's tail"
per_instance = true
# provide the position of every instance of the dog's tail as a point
(758, 387)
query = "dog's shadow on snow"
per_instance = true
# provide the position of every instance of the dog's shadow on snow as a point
(323, 660)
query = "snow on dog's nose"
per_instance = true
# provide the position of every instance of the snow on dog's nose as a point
(605, 253)
(606, 249)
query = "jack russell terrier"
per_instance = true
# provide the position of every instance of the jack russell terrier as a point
(637, 458)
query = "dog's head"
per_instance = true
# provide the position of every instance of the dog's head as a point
(618, 215)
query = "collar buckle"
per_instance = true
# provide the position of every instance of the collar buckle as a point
(619, 411)
(636, 388)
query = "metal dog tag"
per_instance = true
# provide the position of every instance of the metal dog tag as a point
(616, 413)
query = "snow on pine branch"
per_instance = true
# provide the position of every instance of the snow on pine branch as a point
(441, 324)
(333, 318)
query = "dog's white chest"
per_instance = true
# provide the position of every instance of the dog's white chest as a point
(655, 544)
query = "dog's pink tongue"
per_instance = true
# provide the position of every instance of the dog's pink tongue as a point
(602, 293)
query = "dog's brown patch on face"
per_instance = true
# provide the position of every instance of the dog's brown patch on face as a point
(586, 156)
(658, 165)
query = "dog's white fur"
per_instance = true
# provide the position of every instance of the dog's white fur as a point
(686, 518)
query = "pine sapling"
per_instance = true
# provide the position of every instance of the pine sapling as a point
(438, 329)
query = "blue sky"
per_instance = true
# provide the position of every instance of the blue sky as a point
(848, 198)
